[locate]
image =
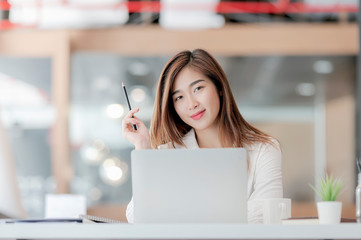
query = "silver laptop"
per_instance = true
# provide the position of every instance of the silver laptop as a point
(190, 186)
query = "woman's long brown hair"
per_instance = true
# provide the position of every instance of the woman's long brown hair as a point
(166, 125)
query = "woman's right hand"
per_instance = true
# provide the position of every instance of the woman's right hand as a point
(140, 137)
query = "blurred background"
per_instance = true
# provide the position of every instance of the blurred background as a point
(291, 65)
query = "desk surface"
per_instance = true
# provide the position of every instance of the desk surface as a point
(178, 231)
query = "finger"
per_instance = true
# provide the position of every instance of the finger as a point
(132, 112)
(131, 121)
(138, 119)
(128, 118)
(129, 128)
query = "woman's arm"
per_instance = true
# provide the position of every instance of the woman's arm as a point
(140, 137)
(141, 140)
(267, 179)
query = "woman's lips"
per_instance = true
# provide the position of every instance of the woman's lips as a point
(198, 115)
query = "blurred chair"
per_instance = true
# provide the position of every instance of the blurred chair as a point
(189, 14)
(10, 199)
(69, 14)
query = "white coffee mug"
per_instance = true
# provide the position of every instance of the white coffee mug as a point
(276, 209)
(64, 205)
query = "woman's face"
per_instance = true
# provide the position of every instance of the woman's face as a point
(196, 99)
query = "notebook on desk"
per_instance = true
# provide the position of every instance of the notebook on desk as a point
(190, 186)
(81, 219)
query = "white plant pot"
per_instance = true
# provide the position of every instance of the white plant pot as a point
(329, 212)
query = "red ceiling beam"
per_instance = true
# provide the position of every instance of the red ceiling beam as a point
(279, 7)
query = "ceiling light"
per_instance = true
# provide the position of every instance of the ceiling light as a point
(138, 69)
(102, 83)
(323, 67)
(306, 89)
(113, 171)
(95, 194)
(90, 154)
(115, 111)
(93, 153)
(138, 94)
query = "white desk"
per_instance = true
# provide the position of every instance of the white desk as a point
(178, 231)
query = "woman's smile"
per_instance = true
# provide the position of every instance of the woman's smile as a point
(198, 115)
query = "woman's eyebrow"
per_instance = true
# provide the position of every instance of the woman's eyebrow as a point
(195, 82)
(190, 85)
(175, 92)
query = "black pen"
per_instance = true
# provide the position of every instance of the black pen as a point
(130, 108)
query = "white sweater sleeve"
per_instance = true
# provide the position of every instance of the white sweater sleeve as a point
(130, 212)
(267, 180)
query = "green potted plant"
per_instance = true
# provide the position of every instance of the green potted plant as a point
(329, 210)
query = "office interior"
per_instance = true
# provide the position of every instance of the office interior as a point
(293, 74)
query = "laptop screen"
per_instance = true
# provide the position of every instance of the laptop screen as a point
(190, 186)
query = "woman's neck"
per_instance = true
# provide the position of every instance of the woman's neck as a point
(208, 138)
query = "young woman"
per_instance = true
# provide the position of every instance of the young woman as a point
(195, 108)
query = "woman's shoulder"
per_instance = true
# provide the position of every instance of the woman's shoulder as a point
(271, 144)
(189, 141)
(165, 146)
(262, 153)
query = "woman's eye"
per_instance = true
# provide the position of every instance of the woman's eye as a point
(178, 98)
(198, 88)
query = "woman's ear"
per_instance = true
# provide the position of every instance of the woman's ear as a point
(220, 93)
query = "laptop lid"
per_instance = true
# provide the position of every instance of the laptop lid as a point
(190, 186)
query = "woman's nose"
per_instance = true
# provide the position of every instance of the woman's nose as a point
(192, 104)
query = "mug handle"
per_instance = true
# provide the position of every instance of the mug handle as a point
(282, 208)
